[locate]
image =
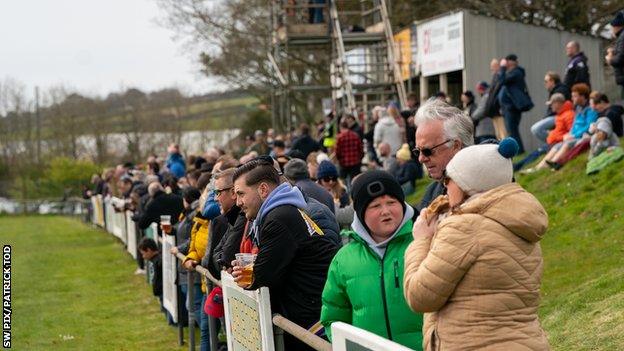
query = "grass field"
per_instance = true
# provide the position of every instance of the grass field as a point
(74, 289)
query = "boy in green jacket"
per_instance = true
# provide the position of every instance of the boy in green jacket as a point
(364, 285)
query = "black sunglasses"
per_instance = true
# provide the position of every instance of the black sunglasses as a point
(328, 179)
(427, 152)
(217, 192)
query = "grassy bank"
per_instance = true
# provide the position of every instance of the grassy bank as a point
(74, 289)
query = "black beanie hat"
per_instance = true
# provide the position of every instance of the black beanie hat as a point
(372, 184)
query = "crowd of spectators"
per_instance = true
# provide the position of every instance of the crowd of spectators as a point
(325, 211)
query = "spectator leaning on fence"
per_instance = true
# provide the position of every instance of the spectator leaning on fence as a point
(476, 269)
(442, 130)
(150, 253)
(356, 292)
(182, 233)
(293, 253)
(160, 203)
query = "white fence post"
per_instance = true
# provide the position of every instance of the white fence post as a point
(346, 337)
(247, 317)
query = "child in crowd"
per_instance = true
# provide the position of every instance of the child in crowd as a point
(150, 253)
(365, 279)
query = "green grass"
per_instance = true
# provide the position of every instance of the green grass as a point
(583, 284)
(70, 280)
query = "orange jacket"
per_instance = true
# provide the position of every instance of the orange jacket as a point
(563, 123)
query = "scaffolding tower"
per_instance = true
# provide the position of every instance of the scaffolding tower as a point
(351, 39)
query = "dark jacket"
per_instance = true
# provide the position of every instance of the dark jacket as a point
(316, 192)
(161, 204)
(182, 233)
(577, 71)
(218, 230)
(514, 93)
(618, 58)
(155, 267)
(492, 106)
(229, 245)
(306, 145)
(324, 218)
(614, 113)
(408, 173)
(293, 258)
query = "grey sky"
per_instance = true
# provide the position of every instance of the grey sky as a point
(93, 46)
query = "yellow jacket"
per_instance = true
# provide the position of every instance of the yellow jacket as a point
(199, 242)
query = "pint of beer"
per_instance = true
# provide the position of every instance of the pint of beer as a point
(165, 223)
(246, 261)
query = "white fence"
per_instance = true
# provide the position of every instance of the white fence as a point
(249, 321)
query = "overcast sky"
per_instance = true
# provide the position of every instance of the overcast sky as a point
(93, 46)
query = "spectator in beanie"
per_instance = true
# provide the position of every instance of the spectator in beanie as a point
(354, 293)
(297, 172)
(407, 170)
(476, 269)
(327, 176)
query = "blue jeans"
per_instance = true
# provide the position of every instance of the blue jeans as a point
(204, 343)
(541, 128)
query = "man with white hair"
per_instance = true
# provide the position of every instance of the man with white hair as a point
(441, 131)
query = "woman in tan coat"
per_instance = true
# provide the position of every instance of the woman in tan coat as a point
(477, 268)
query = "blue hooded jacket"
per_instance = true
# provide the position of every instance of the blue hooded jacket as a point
(175, 164)
(284, 194)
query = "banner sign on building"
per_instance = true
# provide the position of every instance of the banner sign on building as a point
(441, 45)
(402, 41)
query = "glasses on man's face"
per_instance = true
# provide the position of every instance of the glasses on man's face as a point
(217, 192)
(427, 152)
(329, 179)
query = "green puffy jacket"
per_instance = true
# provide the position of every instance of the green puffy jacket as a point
(367, 292)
